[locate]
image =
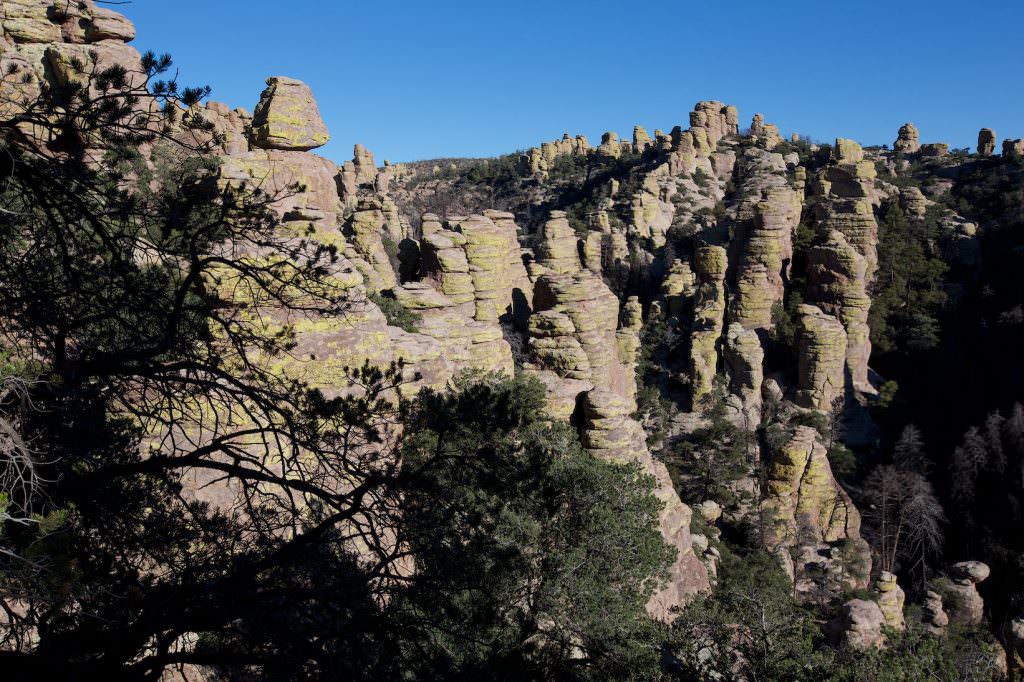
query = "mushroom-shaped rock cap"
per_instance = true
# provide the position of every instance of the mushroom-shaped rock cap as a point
(287, 117)
(975, 571)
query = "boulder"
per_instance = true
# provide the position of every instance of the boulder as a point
(287, 117)
(30, 21)
(934, 149)
(106, 24)
(858, 626)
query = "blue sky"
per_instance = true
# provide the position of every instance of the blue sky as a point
(415, 80)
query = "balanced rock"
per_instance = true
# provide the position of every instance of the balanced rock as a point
(287, 117)
(890, 600)
(986, 142)
(960, 592)
(907, 139)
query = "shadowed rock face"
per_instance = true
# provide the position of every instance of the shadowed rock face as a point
(986, 142)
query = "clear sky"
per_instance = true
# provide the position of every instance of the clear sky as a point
(432, 78)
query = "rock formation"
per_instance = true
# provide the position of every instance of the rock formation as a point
(890, 600)
(1013, 149)
(744, 358)
(836, 283)
(287, 117)
(934, 149)
(858, 626)
(610, 145)
(821, 358)
(641, 140)
(810, 515)
(913, 202)
(933, 617)
(986, 142)
(907, 139)
(1015, 644)
(762, 246)
(708, 319)
(844, 195)
(960, 594)
(609, 433)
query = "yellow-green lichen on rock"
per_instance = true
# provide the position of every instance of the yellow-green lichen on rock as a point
(287, 117)
(821, 358)
(708, 318)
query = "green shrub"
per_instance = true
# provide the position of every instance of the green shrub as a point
(396, 314)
